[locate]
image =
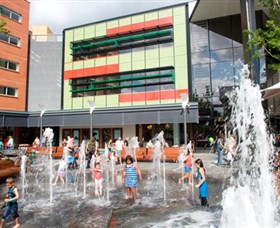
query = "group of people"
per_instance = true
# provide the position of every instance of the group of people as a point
(201, 185)
(8, 143)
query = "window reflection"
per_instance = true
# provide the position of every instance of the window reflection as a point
(201, 77)
(221, 55)
(222, 75)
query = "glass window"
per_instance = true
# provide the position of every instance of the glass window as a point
(199, 36)
(222, 75)
(238, 54)
(167, 86)
(9, 13)
(152, 88)
(220, 33)
(8, 91)
(4, 37)
(13, 66)
(201, 78)
(200, 57)
(221, 55)
(140, 86)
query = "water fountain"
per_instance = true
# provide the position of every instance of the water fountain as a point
(23, 174)
(48, 135)
(251, 195)
(249, 200)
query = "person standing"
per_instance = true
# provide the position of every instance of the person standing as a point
(220, 147)
(119, 147)
(188, 168)
(91, 149)
(11, 207)
(130, 175)
(202, 184)
(10, 143)
(98, 179)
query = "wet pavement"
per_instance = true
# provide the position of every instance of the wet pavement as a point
(179, 207)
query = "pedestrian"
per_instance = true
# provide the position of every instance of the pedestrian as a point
(188, 168)
(98, 179)
(220, 146)
(11, 205)
(130, 175)
(202, 183)
(60, 171)
(91, 149)
(119, 144)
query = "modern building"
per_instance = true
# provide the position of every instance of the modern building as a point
(134, 69)
(13, 59)
(137, 63)
(14, 55)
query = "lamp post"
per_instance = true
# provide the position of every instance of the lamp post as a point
(41, 124)
(185, 105)
(91, 109)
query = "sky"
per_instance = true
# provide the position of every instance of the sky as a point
(61, 14)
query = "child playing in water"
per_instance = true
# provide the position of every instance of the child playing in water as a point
(61, 171)
(202, 184)
(11, 207)
(188, 167)
(98, 178)
(130, 175)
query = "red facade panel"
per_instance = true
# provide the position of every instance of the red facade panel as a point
(162, 22)
(91, 71)
(151, 96)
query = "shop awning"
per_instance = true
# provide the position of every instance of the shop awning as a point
(271, 91)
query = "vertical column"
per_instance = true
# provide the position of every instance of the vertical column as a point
(248, 22)
(176, 133)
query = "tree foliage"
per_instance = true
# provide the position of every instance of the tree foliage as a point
(268, 39)
(3, 23)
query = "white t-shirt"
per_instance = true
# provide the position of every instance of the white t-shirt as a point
(119, 144)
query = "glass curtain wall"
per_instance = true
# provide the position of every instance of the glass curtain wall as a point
(217, 56)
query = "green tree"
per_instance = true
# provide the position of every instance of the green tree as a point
(268, 39)
(3, 23)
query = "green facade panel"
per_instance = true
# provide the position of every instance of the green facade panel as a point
(151, 16)
(166, 52)
(67, 101)
(152, 54)
(180, 50)
(89, 63)
(125, 58)
(78, 102)
(100, 101)
(137, 18)
(68, 66)
(89, 31)
(78, 65)
(138, 65)
(112, 100)
(126, 66)
(79, 33)
(100, 29)
(181, 81)
(138, 56)
(100, 61)
(113, 59)
(153, 102)
(166, 61)
(112, 24)
(165, 13)
(152, 63)
(125, 21)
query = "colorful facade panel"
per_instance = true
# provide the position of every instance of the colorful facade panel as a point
(142, 48)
